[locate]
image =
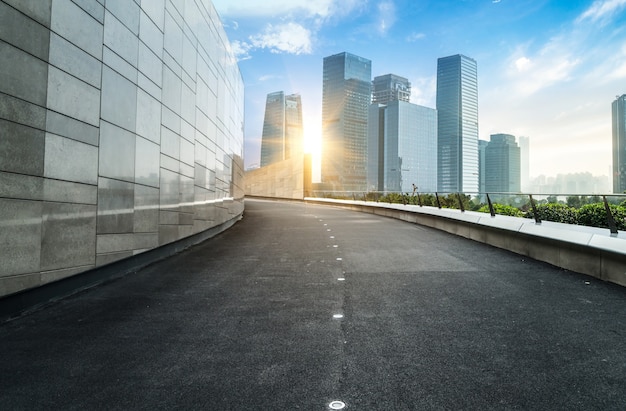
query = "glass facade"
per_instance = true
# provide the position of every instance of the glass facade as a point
(282, 128)
(390, 87)
(502, 165)
(122, 130)
(619, 144)
(457, 124)
(346, 95)
(407, 136)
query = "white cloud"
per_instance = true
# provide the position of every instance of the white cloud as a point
(386, 16)
(602, 9)
(523, 64)
(284, 38)
(280, 8)
(415, 37)
(552, 64)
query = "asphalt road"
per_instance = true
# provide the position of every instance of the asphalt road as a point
(249, 320)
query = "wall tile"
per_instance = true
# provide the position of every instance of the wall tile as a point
(119, 38)
(146, 217)
(119, 65)
(25, 78)
(21, 186)
(23, 32)
(150, 65)
(111, 243)
(148, 117)
(21, 149)
(117, 152)
(115, 206)
(73, 97)
(127, 12)
(68, 127)
(170, 143)
(36, 10)
(69, 192)
(75, 61)
(20, 237)
(93, 7)
(119, 100)
(70, 160)
(150, 34)
(68, 235)
(147, 155)
(75, 25)
(155, 9)
(23, 112)
(170, 190)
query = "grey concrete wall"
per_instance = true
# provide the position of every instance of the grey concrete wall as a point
(289, 179)
(120, 131)
(585, 250)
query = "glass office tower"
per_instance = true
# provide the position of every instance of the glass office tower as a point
(346, 95)
(391, 87)
(502, 164)
(619, 144)
(457, 125)
(282, 127)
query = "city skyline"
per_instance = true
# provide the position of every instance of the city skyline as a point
(547, 70)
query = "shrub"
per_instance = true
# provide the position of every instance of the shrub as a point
(594, 215)
(557, 212)
(503, 209)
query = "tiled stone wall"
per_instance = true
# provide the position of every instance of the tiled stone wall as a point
(120, 130)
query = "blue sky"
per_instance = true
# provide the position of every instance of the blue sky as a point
(547, 69)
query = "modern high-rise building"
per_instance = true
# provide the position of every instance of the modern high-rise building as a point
(482, 147)
(402, 139)
(502, 164)
(282, 127)
(619, 144)
(346, 96)
(457, 124)
(524, 145)
(390, 88)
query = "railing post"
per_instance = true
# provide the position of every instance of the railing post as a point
(437, 198)
(532, 204)
(609, 216)
(419, 200)
(403, 199)
(491, 210)
(458, 195)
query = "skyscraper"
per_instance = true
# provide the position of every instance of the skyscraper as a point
(402, 139)
(482, 148)
(457, 124)
(619, 144)
(282, 127)
(346, 95)
(502, 164)
(391, 87)
(524, 145)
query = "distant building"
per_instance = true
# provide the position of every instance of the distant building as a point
(402, 147)
(619, 144)
(346, 96)
(482, 146)
(282, 128)
(524, 145)
(502, 164)
(390, 87)
(457, 124)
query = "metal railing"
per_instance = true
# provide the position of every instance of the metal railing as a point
(594, 210)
